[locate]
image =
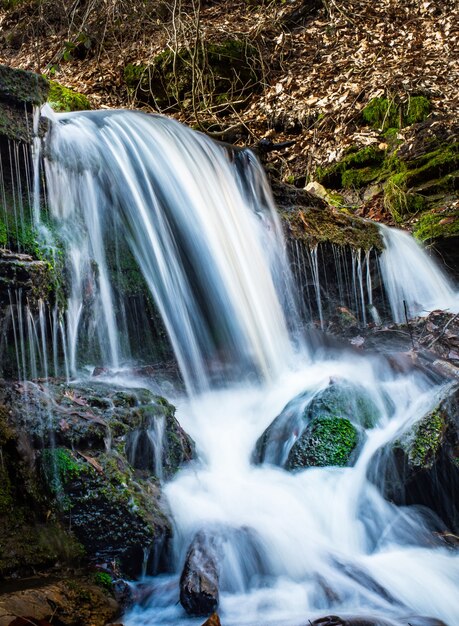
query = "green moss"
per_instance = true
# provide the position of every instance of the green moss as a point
(59, 467)
(313, 225)
(104, 580)
(381, 113)
(20, 86)
(355, 170)
(63, 99)
(327, 441)
(437, 225)
(417, 109)
(386, 115)
(424, 440)
(412, 185)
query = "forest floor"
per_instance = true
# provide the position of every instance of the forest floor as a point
(320, 63)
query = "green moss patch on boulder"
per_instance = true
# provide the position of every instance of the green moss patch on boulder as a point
(422, 466)
(437, 225)
(112, 507)
(63, 99)
(218, 73)
(327, 441)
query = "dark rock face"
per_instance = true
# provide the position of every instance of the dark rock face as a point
(21, 271)
(317, 429)
(422, 467)
(72, 439)
(199, 592)
(19, 92)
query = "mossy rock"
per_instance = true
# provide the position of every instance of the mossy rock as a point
(113, 515)
(63, 99)
(385, 114)
(355, 170)
(327, 441)
(340, 400)
(346, 400)
(422, 442)
(437, 225)
(418, 184)
(230, 71)
(422, 466)
(176, 447)
(328, 225)
(20, 87)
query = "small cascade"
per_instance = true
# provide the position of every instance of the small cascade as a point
(330, 278)
(412, 278)
(39, 338)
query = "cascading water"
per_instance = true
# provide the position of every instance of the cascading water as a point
(412, 279)
(200, 222)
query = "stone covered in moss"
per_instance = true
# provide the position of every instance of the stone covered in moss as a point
(289, 435)
(326, 441)
(31, 539)
(437, 225)
(220, 73)
(19, 92)
(355, 170)
(113, 507)
(63, 99)
(422, 465)
(422, 443)
(21, 87)
(328, 225)
(384, 113)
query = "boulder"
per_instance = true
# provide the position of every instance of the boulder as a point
(69, 602)
(66, 444)
(422, 466)
(319, 428)
(199, 582)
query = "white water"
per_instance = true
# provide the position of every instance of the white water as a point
(202, 227)
(411, 276)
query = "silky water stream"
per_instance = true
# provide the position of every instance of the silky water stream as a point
(200, 221)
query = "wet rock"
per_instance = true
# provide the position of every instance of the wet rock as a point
(199, 582)
(19, 92)
(421, 466)
(21, 271)
(326, 441)
(319, 428)
(159, 446)
(68, 602)
(72, 440)
(358, 620)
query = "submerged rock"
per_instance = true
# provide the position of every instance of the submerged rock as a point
(199, 582)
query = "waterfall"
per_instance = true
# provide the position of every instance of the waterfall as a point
(199, 219)
(201, 224)
(412, 278)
